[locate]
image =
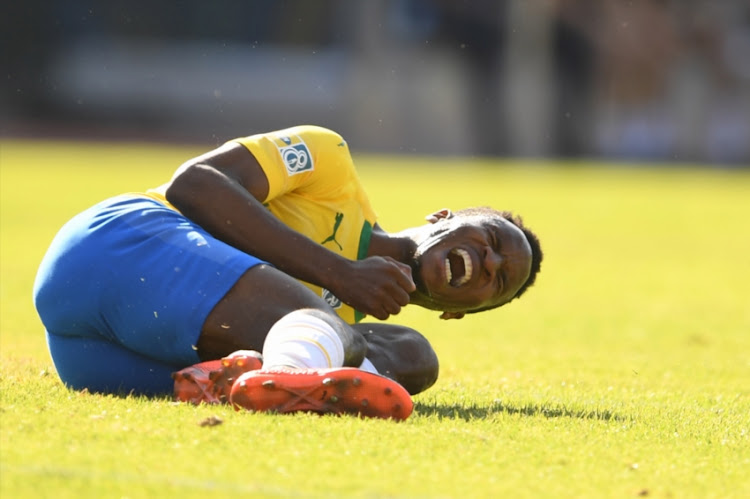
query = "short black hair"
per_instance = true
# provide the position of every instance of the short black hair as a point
(536, 248)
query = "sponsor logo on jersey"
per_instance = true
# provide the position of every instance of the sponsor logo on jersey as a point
(336, 224)
(331, 299)
(294, 153)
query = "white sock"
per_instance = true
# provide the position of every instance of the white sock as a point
(368, 366)
(301, 340)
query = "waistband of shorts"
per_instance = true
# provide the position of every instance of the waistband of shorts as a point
(150, 194)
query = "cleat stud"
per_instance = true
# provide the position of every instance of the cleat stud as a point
(269, 384)
(243, 384)
(186, 376)
(225, 362)
(329, 381)
(365, 403)
(356, 382)
(240, 363)
(334, 399)
(397, 408)
(388, 390)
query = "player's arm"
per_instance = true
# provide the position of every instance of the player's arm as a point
(223, 192)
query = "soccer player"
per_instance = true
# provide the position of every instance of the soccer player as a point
(268, 243)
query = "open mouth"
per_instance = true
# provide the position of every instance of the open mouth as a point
(458, 267)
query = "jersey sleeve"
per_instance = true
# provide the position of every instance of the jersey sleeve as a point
(307, 160)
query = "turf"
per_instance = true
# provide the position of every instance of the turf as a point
(624, 372)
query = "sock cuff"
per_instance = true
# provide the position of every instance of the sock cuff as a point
(300, 339)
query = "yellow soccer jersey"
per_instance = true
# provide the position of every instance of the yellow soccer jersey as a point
(314, 189)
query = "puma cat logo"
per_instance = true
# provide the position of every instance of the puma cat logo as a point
(336, 225)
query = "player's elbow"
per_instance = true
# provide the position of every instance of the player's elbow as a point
(187, 186)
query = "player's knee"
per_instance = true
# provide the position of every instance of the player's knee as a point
(402, 354)
(423, 369)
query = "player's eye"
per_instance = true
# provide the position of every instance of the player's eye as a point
(494, 240)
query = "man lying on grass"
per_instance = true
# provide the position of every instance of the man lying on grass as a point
(268, 243)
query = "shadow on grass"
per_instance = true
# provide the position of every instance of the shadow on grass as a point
(473, 412)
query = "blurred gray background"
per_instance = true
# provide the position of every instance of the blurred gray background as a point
(611, 79)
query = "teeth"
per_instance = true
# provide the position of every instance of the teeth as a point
(467, 267)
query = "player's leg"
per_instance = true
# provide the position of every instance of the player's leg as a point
(305, 346)
(99, 365)
(268, 311)
(267, 302)
(402, 354)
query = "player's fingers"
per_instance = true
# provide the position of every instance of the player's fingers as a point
(400, 297)
(384, 303)
(404, 277)
(380, 314)
(392, 308)
(409, 284)
(373, 303)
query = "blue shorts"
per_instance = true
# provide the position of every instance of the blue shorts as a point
(123, 293)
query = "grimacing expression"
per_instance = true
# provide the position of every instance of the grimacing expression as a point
(470, 262)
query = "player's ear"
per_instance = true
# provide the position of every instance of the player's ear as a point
(445, 213)
(452, 315)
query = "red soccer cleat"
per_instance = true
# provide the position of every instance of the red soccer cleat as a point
(343, 390)
(210, 382)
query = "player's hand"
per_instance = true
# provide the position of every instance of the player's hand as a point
(377, 286)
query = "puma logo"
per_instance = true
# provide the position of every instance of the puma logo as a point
(336, 225)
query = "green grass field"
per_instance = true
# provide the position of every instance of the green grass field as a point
(624, 372)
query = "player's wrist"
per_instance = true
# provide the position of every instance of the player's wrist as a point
(330, 273)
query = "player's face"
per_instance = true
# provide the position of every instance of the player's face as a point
(466, 263)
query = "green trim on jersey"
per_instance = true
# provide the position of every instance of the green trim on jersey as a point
(364, 245)
(364, 240)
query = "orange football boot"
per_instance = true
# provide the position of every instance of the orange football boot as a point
(211, 382)
(344, 390)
